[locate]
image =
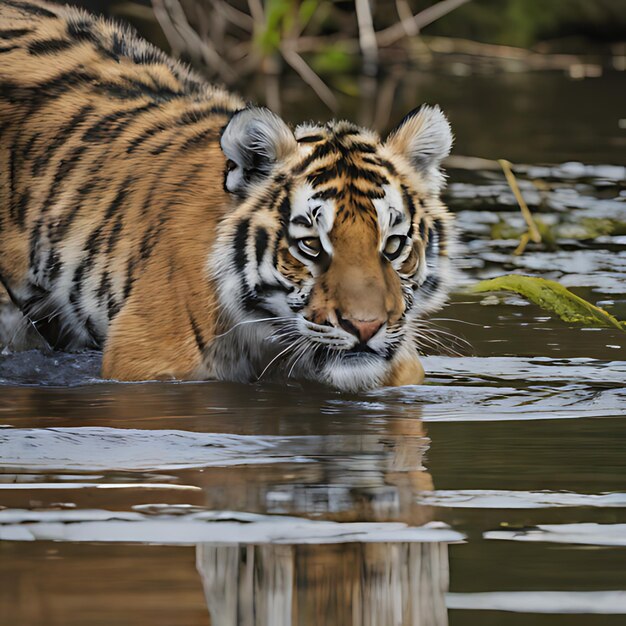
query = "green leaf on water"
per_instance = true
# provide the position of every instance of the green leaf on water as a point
(552, 297)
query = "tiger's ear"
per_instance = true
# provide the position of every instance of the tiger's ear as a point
(253, 141)
(424, 138)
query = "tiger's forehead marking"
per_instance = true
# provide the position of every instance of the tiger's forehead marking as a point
(341, 162)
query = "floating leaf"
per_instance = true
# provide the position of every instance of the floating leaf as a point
(553, 297)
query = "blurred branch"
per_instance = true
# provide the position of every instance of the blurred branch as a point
(393, 34)
(184, 38)
(406, 18)
(309, 76)
(257, 12)
(233, 15)
(234, 41)
(367, 36)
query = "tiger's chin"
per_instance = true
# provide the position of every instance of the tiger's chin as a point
(352, 371)
(355, 373)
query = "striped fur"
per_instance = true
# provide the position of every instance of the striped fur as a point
(129, 222)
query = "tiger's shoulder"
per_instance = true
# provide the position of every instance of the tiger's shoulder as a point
(101, 134)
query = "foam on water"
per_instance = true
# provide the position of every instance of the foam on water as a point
(557, 602)
(501, 499)
(216, 527)
(582, 533)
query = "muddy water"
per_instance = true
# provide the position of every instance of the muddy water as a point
(493, 494)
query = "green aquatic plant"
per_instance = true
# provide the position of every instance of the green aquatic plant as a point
(553, 297)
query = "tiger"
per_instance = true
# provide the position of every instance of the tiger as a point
(189, 234)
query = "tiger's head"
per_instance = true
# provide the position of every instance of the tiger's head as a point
(337, 242)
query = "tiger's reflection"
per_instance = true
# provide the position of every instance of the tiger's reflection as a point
(359, 478)
(354, 584)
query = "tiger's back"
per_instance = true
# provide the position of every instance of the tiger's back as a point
(104, 145)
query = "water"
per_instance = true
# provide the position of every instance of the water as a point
(495, 493)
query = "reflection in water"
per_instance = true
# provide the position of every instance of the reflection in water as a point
(362, 584)
(362, 478)
(350, 477)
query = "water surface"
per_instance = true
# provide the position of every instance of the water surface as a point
(493, 494)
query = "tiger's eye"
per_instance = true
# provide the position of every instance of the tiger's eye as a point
(310, 246)
(394, 246)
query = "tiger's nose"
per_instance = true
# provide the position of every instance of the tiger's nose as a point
(363, 329)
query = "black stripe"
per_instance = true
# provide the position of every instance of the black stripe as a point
(422, 230)
(63, 170)
(113, 306)
(430, 285)
(196, 333)
(162, 147)
(132, 89)
(145, 55)
(130, 277)
(330, 192)
(120, 197)
(49, 46)
(64, 82)
(284, 214)
(115, 234)
(301, 220)
(12, 33)
(438, 225)
(80, 31)
(260, 244)
(376, 178)
(346, 130)
(60, 139)
(104, 288)
(199, 140)
(149, 240)
(92, 331)
(310, 139)
(92, 248)
(319, 152)
(320, 177)
(29, 145)
(239, 243)
(29, 8)
(66, 222)
(13, 178)
(5, 49)
(117, 90)
(113, 125)
(21, 208)
(145, 136)
(391, 168)
(263, 290)
(34, 242)
(118, 46)
(408, 199)
(375, 193)
(434, 247)
(358, 146)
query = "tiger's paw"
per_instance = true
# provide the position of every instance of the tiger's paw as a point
(407, 370)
